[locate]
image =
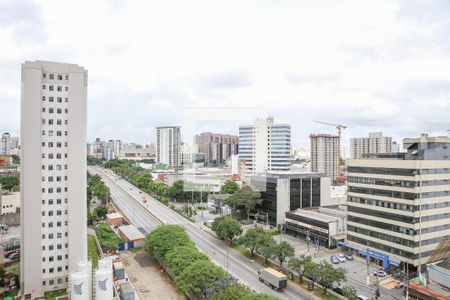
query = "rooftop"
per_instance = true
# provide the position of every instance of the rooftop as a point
(289, 174)
(314, 215)
(114, 216)
(131, 232)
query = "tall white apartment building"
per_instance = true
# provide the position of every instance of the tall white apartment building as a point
(264, 146)
(5, 144)
(53, 174)
(325, 150)
(375, 143)
(168, 145)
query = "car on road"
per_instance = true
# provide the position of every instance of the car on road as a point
(362, 297)
(380, 273)
(348, 255)
(334, 259)
(338, 288)
(341, 258)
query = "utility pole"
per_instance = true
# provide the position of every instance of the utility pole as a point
(308, 239)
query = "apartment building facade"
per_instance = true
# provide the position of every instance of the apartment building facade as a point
(375, 143)
(217, 147)
(53, 174)
(5, 144)
(264, 147)
(325, 154)
(399, 204)
(168, 145)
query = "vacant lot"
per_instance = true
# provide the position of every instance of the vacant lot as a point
(146, 277)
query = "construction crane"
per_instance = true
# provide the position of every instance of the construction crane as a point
(339, 127)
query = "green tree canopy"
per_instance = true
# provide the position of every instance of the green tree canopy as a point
(177, 192)
(181, 257)
(141, 180)
(165, 238)
(250, 238)
(229, 187)
(9, 182)
(259, 296)
(350, 293)
(299, 264)
(327, 274)
(282, 251)
(226, 228)
(233, 292)
(200, 275)
(245, 198)
(266, 246)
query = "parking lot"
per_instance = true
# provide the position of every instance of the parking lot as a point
(357, 278)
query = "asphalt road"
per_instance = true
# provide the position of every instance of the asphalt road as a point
(147, 216)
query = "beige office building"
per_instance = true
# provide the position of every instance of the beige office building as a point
(325, 150)
(399, 203)
(375, 143)
(53, 175)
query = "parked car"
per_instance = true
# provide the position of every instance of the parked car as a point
(362, 297)
(380, 273)
(14, 256)
(338, 288)
(334, 259)
(8, 253)
(341, 258)
(348, 255)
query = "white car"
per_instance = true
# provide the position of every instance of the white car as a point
(362, 297)
(341, 258)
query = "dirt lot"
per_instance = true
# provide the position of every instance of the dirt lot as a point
(146, 277)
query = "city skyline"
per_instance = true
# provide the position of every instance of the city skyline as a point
(391, 77)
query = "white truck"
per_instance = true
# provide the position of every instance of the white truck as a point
(276, 280)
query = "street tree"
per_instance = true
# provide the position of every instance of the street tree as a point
(245, 198)
(229, 187)
(165, 238)
(180, 258)
(259, 296)
(250, 238)
(266, 246)
(202, 275)
(233, 292)
(299, 263)
(176, 191)
(327, 275)
(282, 251)
(188, 210)
(350, 293)
(226, 228)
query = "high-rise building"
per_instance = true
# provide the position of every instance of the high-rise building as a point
(5, 144)
(264, 146)
(168, 145)
(375, 143)
(399, 203)
(325, 149)
(53, 175)
(216, 147)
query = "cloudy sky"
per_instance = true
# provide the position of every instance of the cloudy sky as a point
(371, 65)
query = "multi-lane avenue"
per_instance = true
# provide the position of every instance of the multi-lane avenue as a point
(130, 200)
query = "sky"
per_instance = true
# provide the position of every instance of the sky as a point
(213, 65)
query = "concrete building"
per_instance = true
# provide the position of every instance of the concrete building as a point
(5, 144)
(325, 149)
(286, 191)
(9, 202)
(325, 226)
(137, 152)
(168, 146)
(375, 143)
(264, 147)
(399, 203)
(190, 157)
(217, 147)
(53, 174)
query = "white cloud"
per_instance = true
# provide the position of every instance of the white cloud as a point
(373, 65)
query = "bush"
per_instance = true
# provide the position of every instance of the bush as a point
(165, 238)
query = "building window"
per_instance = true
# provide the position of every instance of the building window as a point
(66, 88)
(43, 86)
(59, 88)
(60, 77)
(52, 76)
(44, 75)
(50, 99)
(43, 98)
(43, 109)
(51, 87)
(59, 99)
